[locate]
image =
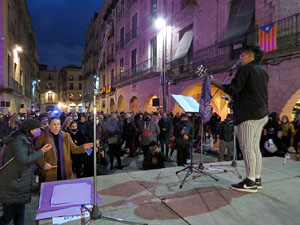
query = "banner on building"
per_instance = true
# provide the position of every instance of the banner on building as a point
(267, 37)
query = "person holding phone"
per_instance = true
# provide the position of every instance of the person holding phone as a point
(57, 163)
(16, 173)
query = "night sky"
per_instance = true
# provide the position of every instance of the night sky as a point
(60, 27)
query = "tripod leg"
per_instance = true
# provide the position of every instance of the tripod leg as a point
(123, 221)
(182, 170)
(189, 172)
(211, 176)
(87, 222)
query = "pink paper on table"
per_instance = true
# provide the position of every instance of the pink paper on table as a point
(70, 194)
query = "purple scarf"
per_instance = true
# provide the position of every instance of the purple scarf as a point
(61, 154)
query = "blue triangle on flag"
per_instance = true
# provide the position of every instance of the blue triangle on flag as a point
(267, 27)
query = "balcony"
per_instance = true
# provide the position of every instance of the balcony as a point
(110, 58)
(120, 45)
(15, 86)
(120, 15)
(220, 58)
(142, 71)
(131, 3)
(132, 34)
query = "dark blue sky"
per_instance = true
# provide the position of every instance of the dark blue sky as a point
(60, 27)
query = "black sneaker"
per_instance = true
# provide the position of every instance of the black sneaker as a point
(258, 183)
(245, 186)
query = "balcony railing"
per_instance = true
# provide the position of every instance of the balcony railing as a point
(144, 70)
(15, 86)
(110, 58)
(132, 34)
(219, 58)
(120, 45)
(131, 3)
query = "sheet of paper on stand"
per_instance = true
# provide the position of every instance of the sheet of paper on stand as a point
(65, 219)
(188, 104)
(70, 194)
(67, 207)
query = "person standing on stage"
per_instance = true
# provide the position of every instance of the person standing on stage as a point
(249, 91)
(57, 163)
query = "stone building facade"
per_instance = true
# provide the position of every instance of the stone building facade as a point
(18, 58)
(197, 32)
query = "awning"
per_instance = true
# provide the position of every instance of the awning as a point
(240, 17)
(188, 104)
(184, 45)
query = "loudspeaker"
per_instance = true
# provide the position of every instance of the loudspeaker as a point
(22, 106)
(155, 102)
(2, 103)
(7, 104)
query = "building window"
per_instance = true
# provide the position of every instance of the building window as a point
(71, 87)
(80, 77)
(71, 97)
(50, 96)
(121, 65)
(49, 76)
(153, 8)
(15, 68)
(153, 52)
(122, 37)
(133, 61)
(71, 77)
(103, 84)
(8, 65)
(80, 86)
(112, 74)
(134, 26)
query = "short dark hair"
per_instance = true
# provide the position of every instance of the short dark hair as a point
(28, 125)
(72, 123)
(256, 50)
(53, 118)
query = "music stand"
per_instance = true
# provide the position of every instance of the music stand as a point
(189, 105)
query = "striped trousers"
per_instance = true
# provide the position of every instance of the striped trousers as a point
(248, 134)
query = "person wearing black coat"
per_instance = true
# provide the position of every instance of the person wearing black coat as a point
(165, 126)
(16, 173)
(129, 134)
(183, 136)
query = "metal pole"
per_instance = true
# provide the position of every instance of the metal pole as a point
(164, 88)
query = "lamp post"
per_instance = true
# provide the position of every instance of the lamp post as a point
(160, 24)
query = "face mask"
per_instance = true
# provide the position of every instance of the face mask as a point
(76, 118)
(22, 118)
(74, 130)
(206, 135)
(97, 121)
(147, 119)
(284, 120)
(37, 133)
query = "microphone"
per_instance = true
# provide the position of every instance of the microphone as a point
(234, 66)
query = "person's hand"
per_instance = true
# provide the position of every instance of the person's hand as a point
(97, 142)
(164, 129)
(156, 150)
(182, 131)
(185, 137)
(48, 166)
(88, 145)
(102, 154)
(46, 148)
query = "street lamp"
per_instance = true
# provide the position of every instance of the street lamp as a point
(160, 24)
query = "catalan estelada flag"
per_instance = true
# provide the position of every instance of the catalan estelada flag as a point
(267, 37)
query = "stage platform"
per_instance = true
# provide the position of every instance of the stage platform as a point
(154, 197)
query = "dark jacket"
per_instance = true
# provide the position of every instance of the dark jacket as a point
(225, 130)
(129, 131)
(249, 91)
(167, 125)
(16, 178)
(188, 130)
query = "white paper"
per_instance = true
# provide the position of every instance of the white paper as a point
(65, 219)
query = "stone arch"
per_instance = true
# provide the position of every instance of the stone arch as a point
(148, 104)
(218, 104)
(121, 104)
(288, 107)
(135, 105)
(112, 105)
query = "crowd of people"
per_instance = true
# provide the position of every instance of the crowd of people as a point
(60, 146)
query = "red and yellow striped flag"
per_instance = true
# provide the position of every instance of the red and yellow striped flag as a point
(267, 37)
